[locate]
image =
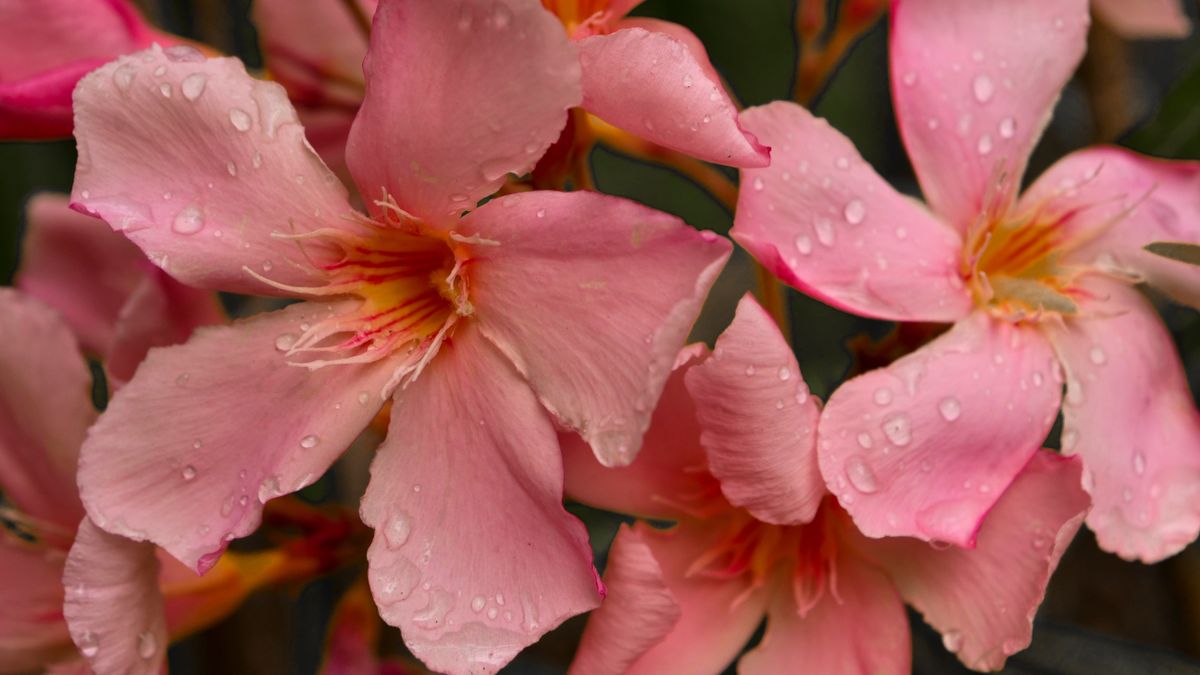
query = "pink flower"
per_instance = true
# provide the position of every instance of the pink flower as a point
(47, 45)
(653, 79)
(474, 326)
(1145, 18)
(114, 300)
(1034, 285)
(115, 588)
(731, 457)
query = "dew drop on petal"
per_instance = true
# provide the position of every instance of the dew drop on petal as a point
(240, 119)
(952, 640)
(1097, 356)
(861, 476)
(758, 183)
(984, 147)
(898, 429)
(189, 472)
(1008, 127)
(750, 370)
(193, 86)
(883, 396)
(147, 646)
(984, 88)
(309, 441)
(89, 644)
(804, 244)
(950, 409)
(189, 220)
(864, 440)
(286, 341)
(824, 229)
(397, 530)
(1139, 462)
(785, 373)
(855, 211)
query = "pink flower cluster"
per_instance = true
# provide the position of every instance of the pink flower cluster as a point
(524, 343)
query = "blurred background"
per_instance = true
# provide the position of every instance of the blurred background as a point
(1101, 614)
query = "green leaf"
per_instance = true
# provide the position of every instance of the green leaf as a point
(1176, 250)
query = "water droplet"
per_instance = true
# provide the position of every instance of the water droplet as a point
(909, 78)
(864, 440)
(824, 229)
(147, 646)
(397, 530)
(257, 161)
(123, 77)
(310, 441)
(687, 81)
(492, 613)
(804, 244)
(898, 429)
(88, 643)
(952, 640)
(189, 220)
(502, 16)
(758, 183)
(984, 88)
(1097, 356)
(182, 379)
(189, 472)
(541, 213)
(240, 119)
(883, 396)
(750, 370)
(193, 86)
(842, 163)
(861, 476)
(183, 54)
(1008, 127)
(1139, 462)
(984, 146)
(785, 373)
(477, 603)
(950, 409)
(855, 211)
(285, 342)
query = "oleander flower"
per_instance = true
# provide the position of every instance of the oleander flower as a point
(123, 600)
(731, 458)
(1036, 287)
(480, 328)
(46, 46)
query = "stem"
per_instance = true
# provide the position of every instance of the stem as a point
(814, 64)
(585, 140)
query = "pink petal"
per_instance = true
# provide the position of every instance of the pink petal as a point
(925, 447)
(983, 600)
(187, 452)
(758, 421)
(459, 95)
(215, 165)
(45, 410)
(638, 612)
(859, 626)
(159, 312)
(113, 605)
(1144, 19)
(717, 616)
(591, 297)
(823, 221)
(32, 631)
(1130, 416)
(45, 47)
(79, 266)
(680, 34)
(474, 557)
(974, 85)
(1112, 202)
(667, 477)
(315, 48)
(655, 86)
(112, 297)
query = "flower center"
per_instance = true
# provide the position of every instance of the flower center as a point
(576, 13)
(1014, 263)
(760, 550)
(410, 284)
